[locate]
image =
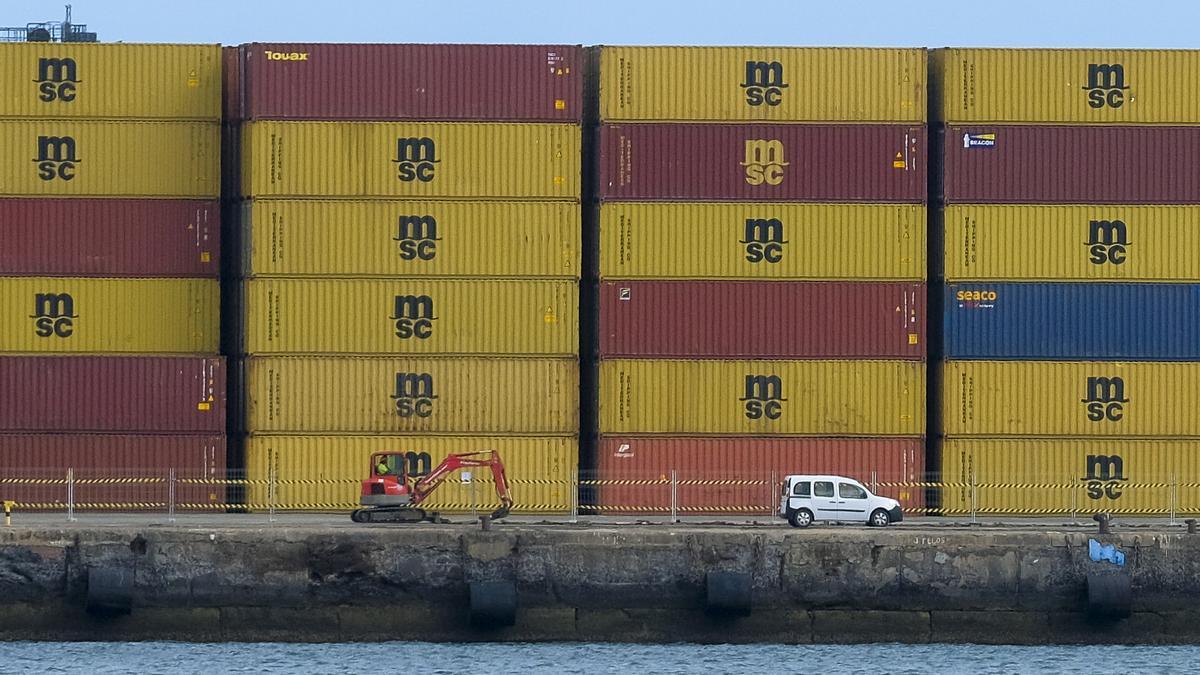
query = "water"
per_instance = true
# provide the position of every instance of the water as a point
(416, 658)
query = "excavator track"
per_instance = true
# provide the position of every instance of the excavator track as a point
(389, 514)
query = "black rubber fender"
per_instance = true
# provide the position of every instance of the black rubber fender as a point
(110, 590)
(1110, 594)
(730, 593)
(493, 603)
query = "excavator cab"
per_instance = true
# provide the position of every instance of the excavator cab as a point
(389, 495)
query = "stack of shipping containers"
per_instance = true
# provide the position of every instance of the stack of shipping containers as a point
(760, 276)
(108, 272)
(409, 261)
(1072, 285)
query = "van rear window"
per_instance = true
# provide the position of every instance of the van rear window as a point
(802, 489)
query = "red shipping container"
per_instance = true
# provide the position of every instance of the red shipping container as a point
(724, 476)
(767, 319)
(33, 471)
(231, 83)
(763, 162)
(525, 83)
(1072, 164)
(135, 394)
(110, 237)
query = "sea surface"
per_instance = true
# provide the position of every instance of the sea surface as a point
(417, 658)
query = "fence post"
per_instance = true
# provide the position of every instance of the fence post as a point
(574, 499)
(1075, 504)
(272, 490)
(874, 482)
(70, 495)
(674, 497)
(771, 494)
(1174, 496)
(974, 497)
(171, 497)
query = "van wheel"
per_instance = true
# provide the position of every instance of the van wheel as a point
(801, 518)
(880, 518)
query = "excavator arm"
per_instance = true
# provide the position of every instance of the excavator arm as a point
(489, 458)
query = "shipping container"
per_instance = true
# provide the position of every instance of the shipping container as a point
(427, 160)
(308, 81)
(129, 394)
(410, 238)
(1072, 242)
(96, 81)
(110, 237)
(411, 316)
(778, 84)
(1071, 164)
(1115, 321)
(1029, 477)
(231, 85)
(762, 241)
(113, 472)
(412, 395)
(803, 398)
(324, 473)
(63, 158)
(1082, 86)
(72, 314)
(754, 319)
(744, 475)
(1055, 398)
(763, 162)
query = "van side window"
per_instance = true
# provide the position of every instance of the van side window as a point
(823, 489)
(848, 491)
(802, 489)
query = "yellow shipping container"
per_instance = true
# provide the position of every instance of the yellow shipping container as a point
(63, 158)
(762, 241)
(426, 160)
(410, 238)
(411, 395)
(324, 472)
(1070, 475)
(1065, 243)
(820, 398)
(1070, 398)
(778, 84)
(63, 315)
(411, 316)
(131, 81)
(1080, 86)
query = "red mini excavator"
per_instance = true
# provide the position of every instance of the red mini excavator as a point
(390, 497)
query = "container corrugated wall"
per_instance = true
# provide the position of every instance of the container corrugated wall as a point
(1049, 398)
(411, 316)
(411, 238)
(72, 158)
(426, 160)
(127, 81)
(745, 319)
(1083, 86)
(762, 241)
(1072, 242)
(64, 314)
(818, 398)
(324, 472)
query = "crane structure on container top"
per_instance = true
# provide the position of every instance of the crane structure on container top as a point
(48, 31)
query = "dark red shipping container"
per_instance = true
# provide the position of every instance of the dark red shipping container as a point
(110, 237)
(231, 83)
(113, 472)
(525, 83)
(763, 162)
(767, 319)
(133, 394)
(1072, 164)
(743, 475)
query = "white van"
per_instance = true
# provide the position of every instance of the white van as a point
(809, 498)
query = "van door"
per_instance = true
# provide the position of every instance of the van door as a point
(800, 496)
(853, 502)
(824, 500)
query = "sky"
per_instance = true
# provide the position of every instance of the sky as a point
(910, 23)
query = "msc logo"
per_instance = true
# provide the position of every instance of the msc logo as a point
(286, 56)
(1107, 241)
(56, 80)
(764, 240)
(764, 83)
(415, 159)
(417, 237)
(1104, 476)
(56, 157)
(764, 162)
(414, 394)
(1105, 399)
(413, 316)
(1105, 85)
(763, 397)
(418, 463)
(53, 315)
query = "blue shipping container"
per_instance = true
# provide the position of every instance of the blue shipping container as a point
(1147, 322)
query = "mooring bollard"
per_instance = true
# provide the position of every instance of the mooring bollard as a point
(1103, 519)
(1191, 525)
(485, 523)
(8, 507)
